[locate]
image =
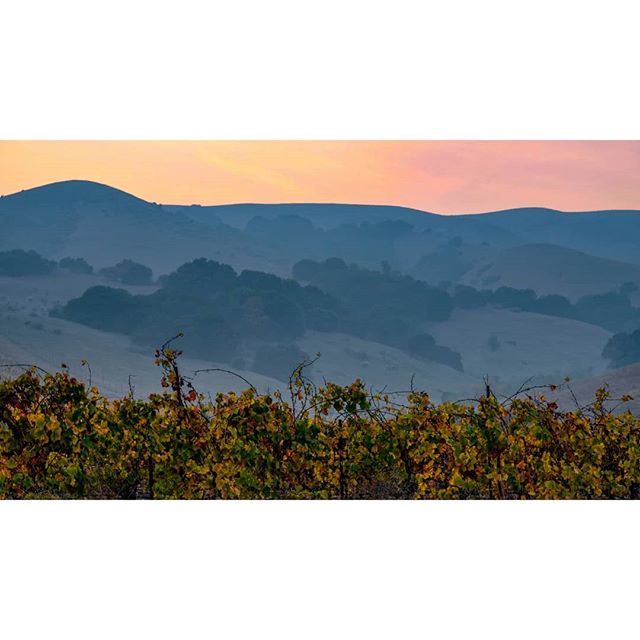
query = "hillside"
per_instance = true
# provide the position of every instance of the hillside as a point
(106, 225)
(85, 218)
(511, 346)
(609, 234)
(618, 382)
(323, 216)
(345, 358)
(30, 336)
(549, 269)
(382, 312)
(528, 344)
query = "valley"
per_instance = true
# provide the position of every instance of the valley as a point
(527, 249)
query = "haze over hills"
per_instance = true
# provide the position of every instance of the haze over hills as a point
(548, 268)
(607, 233)
(86, 218)
(550, 252)
(603, 233)
(82, 218)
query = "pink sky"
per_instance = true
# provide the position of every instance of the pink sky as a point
(439, 176)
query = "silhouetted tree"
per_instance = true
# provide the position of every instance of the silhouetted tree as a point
(128, 272)
(17, 263)
(76, 265)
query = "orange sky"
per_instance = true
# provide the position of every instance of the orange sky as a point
(439, 176)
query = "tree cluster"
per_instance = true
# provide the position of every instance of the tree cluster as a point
(385, 307)
(18, 263)
(219, 311)
(128, 272)
(623, 349)
(612, 311)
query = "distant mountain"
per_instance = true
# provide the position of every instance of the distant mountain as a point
(610, 234)
(323, 216)
(106, 225)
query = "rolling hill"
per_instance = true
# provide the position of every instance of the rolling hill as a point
(547, 268)
(609, 234)
(29, 335)
(548, 251)
(619, 382)
(106, 225)
(511, 346)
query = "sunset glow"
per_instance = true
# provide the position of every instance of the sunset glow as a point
(438, 176)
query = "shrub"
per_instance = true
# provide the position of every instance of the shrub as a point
(554, 305)
(76, 265)
(103, 308)
(128, 272)
(623, 349)
(424, 346)
(17, 263)
(514, 298)
(612, 311)
(470, 298)
(306, 270)
(628, 288)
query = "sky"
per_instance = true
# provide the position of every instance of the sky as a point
(440, 176)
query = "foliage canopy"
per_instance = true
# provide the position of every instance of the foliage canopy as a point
(61, 439)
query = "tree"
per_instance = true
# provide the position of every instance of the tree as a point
(623, 349)
(76, 265)
(201, 277)
(612, 311)
(554, 305)
(514, 298)
(103, 308)
(627, 288)
(424, 346)
(467, 297)
(306, 270)
(128, 272)
(17, 263)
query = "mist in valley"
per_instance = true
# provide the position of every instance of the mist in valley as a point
(97, 279)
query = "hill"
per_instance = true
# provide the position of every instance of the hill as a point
(322, 215)
(610, 233)
(525, 344)
(547, 268)
(107, 225)
(619, 382)
(81, 218)
(29, 335)
(511, 346)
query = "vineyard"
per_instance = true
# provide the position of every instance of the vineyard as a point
(60, 438)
